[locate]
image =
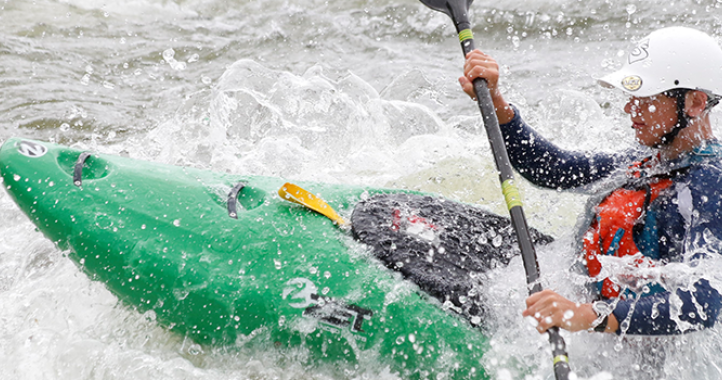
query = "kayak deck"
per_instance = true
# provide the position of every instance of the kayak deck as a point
(223, 260)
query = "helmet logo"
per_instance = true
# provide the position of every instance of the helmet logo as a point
(632, 83)
(639, 53)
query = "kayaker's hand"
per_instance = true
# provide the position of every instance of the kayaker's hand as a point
(551, 309)
(480, 65)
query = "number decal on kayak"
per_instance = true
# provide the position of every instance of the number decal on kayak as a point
(31, 149)
(332, 312)
(300, 289)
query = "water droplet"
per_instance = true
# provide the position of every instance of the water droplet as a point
(195, 349)
(178, 66)
(16, 177)
(568, 315)
(532, 321)
(400, 340)
(412, 338)
(179, 294)
(176, 222)
(168, 55)
(631, 8)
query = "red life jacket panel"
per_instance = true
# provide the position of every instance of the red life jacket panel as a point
(611, 233)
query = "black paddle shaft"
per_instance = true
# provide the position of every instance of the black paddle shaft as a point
(458, 11)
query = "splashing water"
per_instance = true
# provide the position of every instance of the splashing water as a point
(358, 92)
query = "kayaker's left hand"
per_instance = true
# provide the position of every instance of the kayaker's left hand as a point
(551, 309)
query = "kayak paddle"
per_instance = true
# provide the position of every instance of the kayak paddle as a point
(458, 10)
(296, 194)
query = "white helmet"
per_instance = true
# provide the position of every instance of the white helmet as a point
(669, 58)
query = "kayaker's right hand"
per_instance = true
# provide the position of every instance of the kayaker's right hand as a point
(480, 65)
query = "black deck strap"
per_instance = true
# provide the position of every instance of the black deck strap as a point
(445, 247)
(78, 170)
(233, 200)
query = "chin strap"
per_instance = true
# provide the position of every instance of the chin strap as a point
(679, 94)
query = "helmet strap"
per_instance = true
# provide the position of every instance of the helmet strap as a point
(683, 120)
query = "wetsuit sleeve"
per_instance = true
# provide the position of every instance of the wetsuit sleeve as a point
(661, 314)
(547, 165)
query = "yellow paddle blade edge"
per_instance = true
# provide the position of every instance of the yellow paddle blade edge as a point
(296, 194)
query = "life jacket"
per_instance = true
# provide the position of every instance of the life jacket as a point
(619, 217)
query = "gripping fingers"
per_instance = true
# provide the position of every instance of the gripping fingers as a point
(545, 307)
(479, 65)
(546, 318)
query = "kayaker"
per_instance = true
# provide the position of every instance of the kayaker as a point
(666, 206)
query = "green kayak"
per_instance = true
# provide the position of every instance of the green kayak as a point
(223, 260)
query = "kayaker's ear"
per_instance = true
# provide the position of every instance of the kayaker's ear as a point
(695, 103)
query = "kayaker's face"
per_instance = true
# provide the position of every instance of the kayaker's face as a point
(652, 117)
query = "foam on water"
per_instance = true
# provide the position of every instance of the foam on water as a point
(357, 92)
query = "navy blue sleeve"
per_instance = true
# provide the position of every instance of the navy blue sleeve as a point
(546, 165)
(705, 186)
(652, 315)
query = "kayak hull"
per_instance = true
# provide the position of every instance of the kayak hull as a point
(267, 274)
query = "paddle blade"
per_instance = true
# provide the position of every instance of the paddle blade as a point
(456, 9)
(296, 194)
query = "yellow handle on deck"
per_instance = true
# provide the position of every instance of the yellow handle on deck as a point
(296, 194)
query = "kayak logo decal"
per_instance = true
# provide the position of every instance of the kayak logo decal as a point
(31, 149)
(414, 225)
(335, 314)
(639, 53)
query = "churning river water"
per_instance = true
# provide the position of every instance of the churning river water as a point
(353, 91)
